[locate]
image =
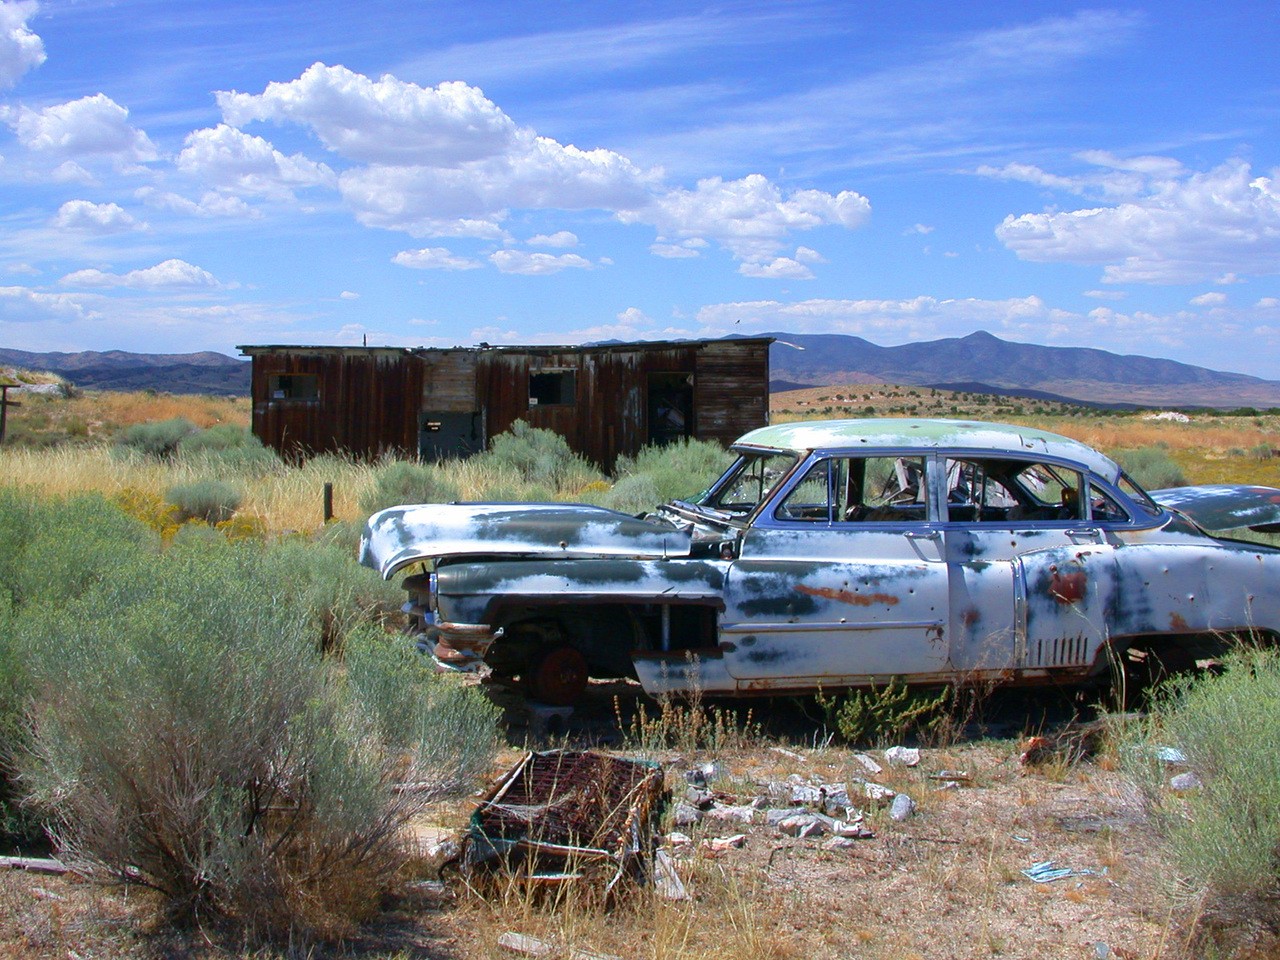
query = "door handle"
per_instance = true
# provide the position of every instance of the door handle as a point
(1085, 534)
(915, 536)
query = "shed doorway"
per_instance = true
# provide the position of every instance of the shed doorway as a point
(670, 413)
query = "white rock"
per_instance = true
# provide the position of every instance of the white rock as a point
(867, 763)
(1185, 781)
(902, 807)
(878, 793)
(731, 814)
(902, 756)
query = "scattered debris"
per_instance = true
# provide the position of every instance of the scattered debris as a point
(1046, 872)
(1074, 742)
(1173, 415)
(721, 844)
(563, 814)
(677, 839)
(685, 815)
(533, 947)
(877, 792)
(902, 756)
(958, 777)
(727, 813)
(790, 753)
(666, 881)
(868, 764)
(1185, 781)
(1171, 755)
(35, 865)
(839, 843)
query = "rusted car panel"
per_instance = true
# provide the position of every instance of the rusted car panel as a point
(400, 536)
(1224, 506)
(845, 553)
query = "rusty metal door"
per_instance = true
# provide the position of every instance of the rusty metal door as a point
(838, 605)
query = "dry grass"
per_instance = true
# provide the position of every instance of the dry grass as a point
(946, 883)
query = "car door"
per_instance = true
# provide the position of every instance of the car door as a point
(1030, 576)
(839, 580)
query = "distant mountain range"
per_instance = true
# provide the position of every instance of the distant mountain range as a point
(205, 372)
(978, 363)
(982, 362)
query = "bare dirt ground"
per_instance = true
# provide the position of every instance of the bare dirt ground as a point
(947, 882)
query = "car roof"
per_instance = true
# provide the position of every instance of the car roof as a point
(912, 434)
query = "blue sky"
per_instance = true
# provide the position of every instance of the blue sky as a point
(180, 176)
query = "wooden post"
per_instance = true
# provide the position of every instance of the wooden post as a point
(5, 404)
(328, 502)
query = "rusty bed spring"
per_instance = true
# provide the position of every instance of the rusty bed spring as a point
(562, 814)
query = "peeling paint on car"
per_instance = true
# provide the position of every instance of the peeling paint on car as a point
(761, 601)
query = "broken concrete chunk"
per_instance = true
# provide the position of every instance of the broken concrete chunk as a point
(685, 815)
(677, 839)
(878, 793)
(902, 807)
(720, 844)
(867, 763)
(730, 814)
(835, 799)
(802, 794)
(803, 825)
(698, 797)
(1185, 781)
(851, 830)
(533, 947)
(902, 756)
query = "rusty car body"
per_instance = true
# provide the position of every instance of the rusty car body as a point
(845, 553)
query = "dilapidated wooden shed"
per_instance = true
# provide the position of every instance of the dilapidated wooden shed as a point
(604, 400)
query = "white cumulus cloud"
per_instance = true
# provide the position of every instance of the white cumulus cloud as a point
(751, 217)
(20, 49)
(537, 264)
(434, 258)
(24, 305)
(238, 163)
(94, 217)
(447, 161)
(386, 121)
(1182, 228)
(210, 204)
(1209, 300)
(559, 239)
(93, 126)
(170, 274)
(779, 268)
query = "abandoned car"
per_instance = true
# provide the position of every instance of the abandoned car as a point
(844, 553)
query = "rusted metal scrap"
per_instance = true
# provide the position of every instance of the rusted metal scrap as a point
(562, 815)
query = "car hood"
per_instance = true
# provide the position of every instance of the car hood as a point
(1224, 506)
(399, 536)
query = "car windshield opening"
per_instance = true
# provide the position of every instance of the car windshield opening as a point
(746, 484)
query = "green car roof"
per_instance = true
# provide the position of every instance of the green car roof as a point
(909, 434)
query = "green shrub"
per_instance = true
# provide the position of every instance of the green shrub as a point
(881, 714)
(1223, 835)
(212, 501)
(222, 436)
(331, 591)
(229, 448)
(160, 438)
(188, 737)
(542, 457)
(674, 471)
(402, 481)
(1152, 467)
(449, 730)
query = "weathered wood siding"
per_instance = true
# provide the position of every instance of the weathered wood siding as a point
(367, 405)
(731, 393)
(371, 400)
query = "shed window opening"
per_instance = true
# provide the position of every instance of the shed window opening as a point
(294, 386)
(554, 389)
